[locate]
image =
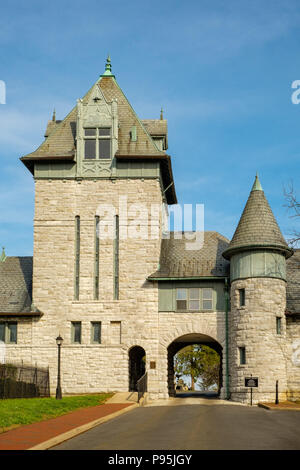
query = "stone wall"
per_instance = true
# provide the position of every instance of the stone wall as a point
(253, 326)
(88, 367)
(293, 356)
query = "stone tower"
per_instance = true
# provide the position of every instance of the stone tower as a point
(257, 325)
(101, 177)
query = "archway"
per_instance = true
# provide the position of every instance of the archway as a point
(186, 340)
(137, 366)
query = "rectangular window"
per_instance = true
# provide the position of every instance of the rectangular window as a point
(194, 299)
(90, 149)
(77, 256)
(207, 299)
(97, 143)
(96, 332)
(278, 325)
(8, 332)
(116, 259)
(96, 271)
(181, 299)
(2, 332)
(242, 297)
(11, 332)
(104, 148)
(242, 352)
(76, 332)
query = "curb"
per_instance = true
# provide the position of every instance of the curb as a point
(261, 405)
(79, 430)
(277, 407)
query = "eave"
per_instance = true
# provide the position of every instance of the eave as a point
(21, 314)
(192, 278)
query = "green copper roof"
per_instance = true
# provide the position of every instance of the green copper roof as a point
(257, 228)
(3, 255)
(107, 72)
(256, 185)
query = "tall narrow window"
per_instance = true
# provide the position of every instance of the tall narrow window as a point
(96, 270)
(76, 332)
(242, 352)
(116, 259)
(77, 256)
(278, 325)
(96, 332)
(242, 297)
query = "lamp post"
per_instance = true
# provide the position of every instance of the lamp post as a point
(59, 342)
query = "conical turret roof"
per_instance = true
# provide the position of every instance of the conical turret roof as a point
(257, 228)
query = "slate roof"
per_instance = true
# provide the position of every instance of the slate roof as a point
(178, 262)
(60, 136)
(16, 285)
(257, 227)
(293, 283)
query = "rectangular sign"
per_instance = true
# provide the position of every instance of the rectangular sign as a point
(251, 382)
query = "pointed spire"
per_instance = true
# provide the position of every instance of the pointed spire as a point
(161, 114)
(107, 72)
(257, 227)
(3, 256)
(256, 185)
(54, 116)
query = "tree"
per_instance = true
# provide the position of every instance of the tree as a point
(201, 363)
(293, 206)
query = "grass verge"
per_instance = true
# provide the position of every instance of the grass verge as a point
(19, 411)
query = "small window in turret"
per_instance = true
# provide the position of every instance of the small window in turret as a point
(242, 297)
(242, 353)
(278, 325)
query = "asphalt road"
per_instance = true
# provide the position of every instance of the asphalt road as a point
(194, 426)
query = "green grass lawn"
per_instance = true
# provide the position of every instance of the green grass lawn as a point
(18, 411)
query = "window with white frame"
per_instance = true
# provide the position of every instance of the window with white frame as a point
(97, 143)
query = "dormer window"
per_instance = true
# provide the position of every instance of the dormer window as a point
(97, 143)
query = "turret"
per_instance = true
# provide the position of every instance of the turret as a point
(257, 254)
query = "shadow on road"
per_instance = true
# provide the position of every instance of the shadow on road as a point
(197, 394)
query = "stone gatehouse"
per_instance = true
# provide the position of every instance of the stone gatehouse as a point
(117, 290)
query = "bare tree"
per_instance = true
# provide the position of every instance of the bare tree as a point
(293, 206)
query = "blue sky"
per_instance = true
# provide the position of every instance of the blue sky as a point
(222, 70)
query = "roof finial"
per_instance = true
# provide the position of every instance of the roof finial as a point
(107, 72)
(3, 256)
(257, 186)
(54, 115)
(161, 114)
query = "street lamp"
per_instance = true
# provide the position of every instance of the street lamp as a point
(59, 342)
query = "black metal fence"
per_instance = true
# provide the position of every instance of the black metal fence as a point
(142, 386)
(21, 381)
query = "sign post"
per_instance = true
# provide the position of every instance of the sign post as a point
(251, 382)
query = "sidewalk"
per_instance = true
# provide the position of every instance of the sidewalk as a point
(46, 434)
(286, 405)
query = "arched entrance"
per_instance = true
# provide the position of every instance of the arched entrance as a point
(137, 366)
(186, 340)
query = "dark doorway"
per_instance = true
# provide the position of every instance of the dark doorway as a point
(137, 366)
